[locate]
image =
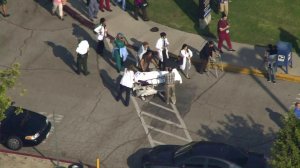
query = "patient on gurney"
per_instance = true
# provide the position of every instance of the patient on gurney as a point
(155, 77)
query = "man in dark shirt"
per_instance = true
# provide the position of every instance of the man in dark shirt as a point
(205, 54)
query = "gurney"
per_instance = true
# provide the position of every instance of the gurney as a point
(146, 83)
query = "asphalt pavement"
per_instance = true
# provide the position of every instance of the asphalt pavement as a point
(88, 123)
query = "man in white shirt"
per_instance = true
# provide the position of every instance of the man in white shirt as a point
(126, 84)
(162, 49)
(101, 31)
(82, 55)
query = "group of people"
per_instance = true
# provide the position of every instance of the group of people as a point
(95, 5)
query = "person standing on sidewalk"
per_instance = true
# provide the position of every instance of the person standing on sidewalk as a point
(120, 1)
(120, 51)
(141, 5)
(58, 4)
(4, 8)
(142, 50)
(224, 6)
(186, 55)
(162, 49)
(126, 84)
(207, 52)
(82, 56)
(93, 9)
(107, 5)
(101, 31)
(271, 56)
(223, 33)
(170, 86)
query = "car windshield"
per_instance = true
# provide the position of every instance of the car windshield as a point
(184, 149)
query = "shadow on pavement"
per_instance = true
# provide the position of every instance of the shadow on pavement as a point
(47, 4)
(135, 160)
(81, 6)
(240, 131)
(79, 32)
(288, 37)
(63, 53)
(109, 83)
(276, 117)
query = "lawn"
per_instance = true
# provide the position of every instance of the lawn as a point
(253, 22)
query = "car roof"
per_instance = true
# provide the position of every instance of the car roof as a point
(220, 150)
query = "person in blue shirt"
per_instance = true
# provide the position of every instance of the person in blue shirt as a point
(297, 110)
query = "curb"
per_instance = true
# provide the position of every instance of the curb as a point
(42, 157)
(227, 67)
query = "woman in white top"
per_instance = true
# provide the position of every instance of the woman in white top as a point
(185, 55)
(126, 84)
(101, 31)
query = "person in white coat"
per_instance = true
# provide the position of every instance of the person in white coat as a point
(142, 50)
(162, 49)
(126, 84)
(101, 31)
(185, 56)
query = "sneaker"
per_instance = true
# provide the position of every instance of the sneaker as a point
(274, 82)
(102, 10)
(109, 10)
(269, 80)
(220, 51)
(86, 73)
(231, 49)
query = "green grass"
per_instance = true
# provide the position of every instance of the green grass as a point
(253, 22)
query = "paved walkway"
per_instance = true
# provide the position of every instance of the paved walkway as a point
(247, 59)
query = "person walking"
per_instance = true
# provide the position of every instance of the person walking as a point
(101, 31)
(224, 6)
(223, 33)
(58, 4)
(93, 9)
(185, 55)
(82, 55)
(141, 5)
(107, 5)
(142, 50)
(126, 84)
(205, 54)
(271, 56)
(120, 51)
(297, 110)
(4, 8)
(120, 1)
(162, 49)
(170, 86)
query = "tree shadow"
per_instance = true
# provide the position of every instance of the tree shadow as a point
(63, 53)
(288, 37)
(45, 4)
(240, 131)
(191, 9)
(135, 159)
(276, 117)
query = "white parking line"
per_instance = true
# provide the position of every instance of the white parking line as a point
(167, 133)
(158, 105)
(161, 119)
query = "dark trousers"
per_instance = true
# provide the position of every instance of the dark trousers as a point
(124, 89)
(162, 65)
(203, 65)
(100, 47)
(82, 63)
(144, 12)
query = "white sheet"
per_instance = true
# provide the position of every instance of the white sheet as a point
(155, 77)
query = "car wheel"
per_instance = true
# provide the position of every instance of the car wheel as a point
(14, 143)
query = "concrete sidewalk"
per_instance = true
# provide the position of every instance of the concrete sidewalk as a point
(247, 59)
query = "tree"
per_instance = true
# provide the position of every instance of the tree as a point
(285, 152)
(8, 79)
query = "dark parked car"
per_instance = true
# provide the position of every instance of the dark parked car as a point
(202, 155)
(26, 128)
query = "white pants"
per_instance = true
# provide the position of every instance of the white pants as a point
(60, 9)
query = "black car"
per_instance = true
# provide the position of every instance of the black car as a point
(202, 155)
(26, 128)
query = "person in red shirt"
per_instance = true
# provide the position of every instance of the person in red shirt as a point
(223, 33)
(107, 5)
